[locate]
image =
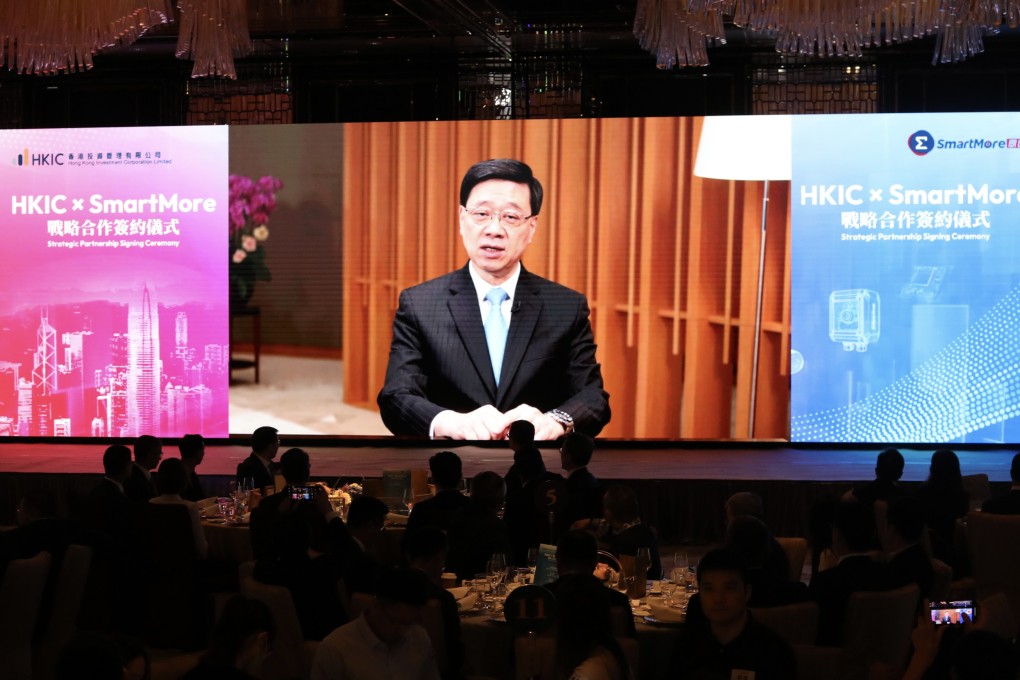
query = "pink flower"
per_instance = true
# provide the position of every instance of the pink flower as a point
(261, 232)
(249, 243)
(239, 256)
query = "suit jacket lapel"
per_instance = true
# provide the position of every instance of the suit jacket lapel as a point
(527, 307)
(464, 308)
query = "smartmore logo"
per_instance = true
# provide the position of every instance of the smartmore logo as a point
(922, 142)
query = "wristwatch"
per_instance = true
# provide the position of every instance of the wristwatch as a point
(563, 418)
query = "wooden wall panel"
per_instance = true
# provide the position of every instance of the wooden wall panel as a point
(668, 260)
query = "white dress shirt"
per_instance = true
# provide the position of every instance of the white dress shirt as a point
(353, 652)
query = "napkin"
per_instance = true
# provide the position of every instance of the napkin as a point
(467, 602)
(660, 612)
(460, 592)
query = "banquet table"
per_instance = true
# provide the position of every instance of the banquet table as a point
(489, 640)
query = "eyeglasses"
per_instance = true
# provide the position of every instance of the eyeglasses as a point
(509, 219)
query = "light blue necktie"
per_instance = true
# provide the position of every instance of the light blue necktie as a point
(495, 329)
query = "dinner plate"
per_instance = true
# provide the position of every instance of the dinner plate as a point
(651, 620)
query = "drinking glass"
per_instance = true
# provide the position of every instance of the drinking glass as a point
(409, 500)
(224, 505)
(691, 577)
(532, 559)
(668, 588)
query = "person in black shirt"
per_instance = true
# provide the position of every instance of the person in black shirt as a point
(259, 466)
(192, 448)
(731, 641)
(437, 511)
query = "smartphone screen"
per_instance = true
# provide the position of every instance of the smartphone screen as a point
(300, 493)
(953, 612)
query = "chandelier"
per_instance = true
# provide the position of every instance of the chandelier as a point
(59, 36)
(679, 32)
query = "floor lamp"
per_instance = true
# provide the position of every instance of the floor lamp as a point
(755, 148)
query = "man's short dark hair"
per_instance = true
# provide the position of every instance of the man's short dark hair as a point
(856, 523)
(522, 433)
(488, 491)
(191, 446)
(722, 559)
(173, 477)
(364, 510)
(263, 438)
(577, 550)
(295, 466)
(147, 448)
(1014, 469)
(502, 168)
(528, 462)
(115, 459)
(622, 503)
(889, 465)
(446, 469)
(424, 543)
(745, 504)
(906, 516)
(402, 585)
(579, 447)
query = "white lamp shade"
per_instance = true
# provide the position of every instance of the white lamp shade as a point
(745, 147)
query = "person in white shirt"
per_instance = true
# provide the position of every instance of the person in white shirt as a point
(386, 642)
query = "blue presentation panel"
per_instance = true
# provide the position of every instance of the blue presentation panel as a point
(905, 288)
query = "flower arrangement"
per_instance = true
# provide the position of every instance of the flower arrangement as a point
(346, 492)
(251, 203)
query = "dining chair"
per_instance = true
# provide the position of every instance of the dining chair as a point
(795, 623)
(796, 553)
(994, 545)
(179, 609)
(978, 489)
(20, 598)
(878, 627)
(292, 655)
(67, 598)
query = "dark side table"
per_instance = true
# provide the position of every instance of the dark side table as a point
(254, 314)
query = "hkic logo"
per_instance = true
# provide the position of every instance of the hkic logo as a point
(921, 142)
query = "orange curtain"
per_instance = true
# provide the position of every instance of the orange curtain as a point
(668, 260)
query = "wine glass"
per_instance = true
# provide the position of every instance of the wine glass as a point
(497, 564)
(409, 499)
(668, 588)
(691, 577)
(532, 559)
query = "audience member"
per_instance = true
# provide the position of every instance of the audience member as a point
(585, 500)
(425, 550)
(775, 563)
(526, 516)
(586, 648)
(387, 641)
(365, 520)
(945, 501)
(520, 435)
(173, 479)
(107, 508)
(437, 511)
(1008, 503)
(140, 486)
(852, 536)
(576, 559)
(192, 448)
(621, 531)
(965, 652)
(907, 559)
(731, 643)
(477, 532)
(240, 641)
(259, 466)
(300, 544)
(768, 576)
(885, 486)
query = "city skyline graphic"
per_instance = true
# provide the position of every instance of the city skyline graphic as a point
(109, 368)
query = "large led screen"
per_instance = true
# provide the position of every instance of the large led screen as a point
(113, 314)
(906, 278)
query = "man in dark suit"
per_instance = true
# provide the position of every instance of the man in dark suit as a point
(908, 561)
(425, 550)
(140, 486)
(192, 448)
(1008, 503)
(491, 343)
(259, 466)
(447, 471)
(107, 508)
(585, 491)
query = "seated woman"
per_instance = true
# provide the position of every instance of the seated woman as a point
(621, 531)
(172, 481)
